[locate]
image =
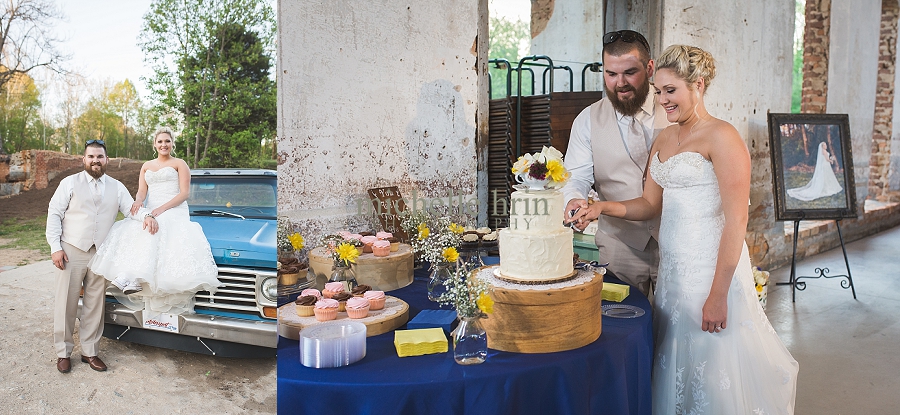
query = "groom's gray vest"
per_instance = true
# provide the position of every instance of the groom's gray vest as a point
(88, 219)
(616, 176)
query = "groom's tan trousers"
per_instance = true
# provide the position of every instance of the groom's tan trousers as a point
(69, 282)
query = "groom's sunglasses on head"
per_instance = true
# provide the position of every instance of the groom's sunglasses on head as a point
(627, 36)
(89, 142)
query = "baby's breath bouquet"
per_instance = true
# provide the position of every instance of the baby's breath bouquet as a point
(434, 239)
(468, 294)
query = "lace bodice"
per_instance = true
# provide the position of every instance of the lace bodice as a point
(690, 187)
(162, 186)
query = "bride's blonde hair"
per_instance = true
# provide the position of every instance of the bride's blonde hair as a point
(689, 63)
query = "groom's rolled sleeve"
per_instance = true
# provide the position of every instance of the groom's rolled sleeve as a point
(579, 158)
(125, 201)
(59, 203)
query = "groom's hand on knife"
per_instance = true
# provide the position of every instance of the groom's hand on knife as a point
(59, 259)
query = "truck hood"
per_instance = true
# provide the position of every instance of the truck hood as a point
(241, 243)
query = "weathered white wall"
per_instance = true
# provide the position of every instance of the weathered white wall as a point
(371, 94)
(573, 37)
(852, 75)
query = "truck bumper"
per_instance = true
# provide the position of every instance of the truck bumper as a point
(227, 329)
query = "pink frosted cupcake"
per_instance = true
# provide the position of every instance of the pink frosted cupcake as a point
(311, 291)
(376, 299)
(367, 243)
(332, 288)
(383, 236)
(344, 234)
(326, 309)
(381, 248)
(357, 307)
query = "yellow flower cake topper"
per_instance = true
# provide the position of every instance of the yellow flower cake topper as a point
(346, 253)
(546, 165)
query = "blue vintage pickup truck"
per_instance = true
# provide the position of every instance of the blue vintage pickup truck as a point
(238, 212)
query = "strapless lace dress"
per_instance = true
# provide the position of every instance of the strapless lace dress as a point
(171, 265)
(745, 369)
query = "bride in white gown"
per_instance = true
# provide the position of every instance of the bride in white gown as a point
(716, 352)
(823, 182)
(162, 272)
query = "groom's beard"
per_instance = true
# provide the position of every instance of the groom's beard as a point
(631, 106)
(89, 168)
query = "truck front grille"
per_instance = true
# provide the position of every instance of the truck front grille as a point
(237, 295)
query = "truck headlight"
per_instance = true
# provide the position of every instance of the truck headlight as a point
(269, 288)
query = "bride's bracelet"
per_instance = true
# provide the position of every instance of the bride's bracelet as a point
(149, 215)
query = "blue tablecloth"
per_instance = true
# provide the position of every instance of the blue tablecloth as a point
(608, 376)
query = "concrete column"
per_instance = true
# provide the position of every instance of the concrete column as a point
(853, 73)
(753, 51)
(372, 94)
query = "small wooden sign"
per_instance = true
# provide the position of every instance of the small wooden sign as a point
(388, 204)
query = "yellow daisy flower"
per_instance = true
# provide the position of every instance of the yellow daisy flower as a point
(423, 231)
(296, 241)
(450, 254)
(557, 171)
(347, 253)
(455, 228)
(485, 303)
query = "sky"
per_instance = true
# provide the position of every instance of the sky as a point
(101, 36)
(511, 9)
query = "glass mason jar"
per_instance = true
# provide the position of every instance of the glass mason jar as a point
(344, 274)
(469, 341)
(440, 273)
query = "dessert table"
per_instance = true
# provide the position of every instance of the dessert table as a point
(608, 376)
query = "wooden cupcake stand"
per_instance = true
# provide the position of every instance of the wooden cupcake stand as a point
(387, 273)
(530, 320)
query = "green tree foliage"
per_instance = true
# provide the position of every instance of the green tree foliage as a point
(20, 121)
(211, 62)
(509, 40)
(797, 80)
(116, 116)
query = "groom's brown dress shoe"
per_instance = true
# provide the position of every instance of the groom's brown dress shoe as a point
(95, 363)
(64, 365)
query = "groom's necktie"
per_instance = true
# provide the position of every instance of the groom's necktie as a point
(95, 189)
(637, 144)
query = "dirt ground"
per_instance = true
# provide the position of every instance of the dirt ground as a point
(140, 380)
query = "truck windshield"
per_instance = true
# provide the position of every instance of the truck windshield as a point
(248, 197)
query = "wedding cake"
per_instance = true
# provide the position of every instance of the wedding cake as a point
(537, 247)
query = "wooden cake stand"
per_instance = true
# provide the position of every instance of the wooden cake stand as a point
(394, 314)
(545, 321)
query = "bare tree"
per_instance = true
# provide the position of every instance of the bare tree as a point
(26, 39)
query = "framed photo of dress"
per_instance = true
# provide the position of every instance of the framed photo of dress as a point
(812, 166)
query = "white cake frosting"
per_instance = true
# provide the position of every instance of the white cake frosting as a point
(536, 246)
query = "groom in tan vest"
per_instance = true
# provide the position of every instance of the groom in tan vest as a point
(608, 150)
(81, 212)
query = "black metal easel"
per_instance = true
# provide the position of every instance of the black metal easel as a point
(795, 282)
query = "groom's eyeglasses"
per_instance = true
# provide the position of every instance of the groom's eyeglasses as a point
(627, 36)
